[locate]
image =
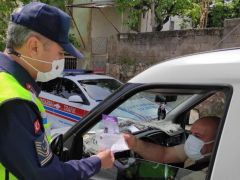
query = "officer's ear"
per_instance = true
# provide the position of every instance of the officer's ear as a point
(34, 46)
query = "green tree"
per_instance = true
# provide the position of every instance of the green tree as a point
(7, 6)
(211, 12)
(163, 10)
(193, 13)
(135, 9)
(221, 10)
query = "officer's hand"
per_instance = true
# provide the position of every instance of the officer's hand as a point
(107, 159)
(131, 141)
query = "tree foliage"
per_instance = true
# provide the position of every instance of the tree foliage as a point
(7, 6)
(163, 10)
(221, 10)
(217, 11)
(135, 8)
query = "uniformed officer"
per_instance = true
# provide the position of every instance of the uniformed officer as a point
(36, 40)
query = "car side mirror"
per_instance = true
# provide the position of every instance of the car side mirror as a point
(75, 99)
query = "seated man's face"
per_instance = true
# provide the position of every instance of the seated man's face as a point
(205, 130)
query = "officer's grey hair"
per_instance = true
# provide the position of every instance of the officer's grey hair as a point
(18, 34)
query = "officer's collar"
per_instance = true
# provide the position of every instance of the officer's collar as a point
(23, 77)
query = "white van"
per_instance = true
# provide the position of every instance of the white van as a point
(195, 86)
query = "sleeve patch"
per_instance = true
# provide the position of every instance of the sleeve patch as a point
(37, 126)
(43, 150)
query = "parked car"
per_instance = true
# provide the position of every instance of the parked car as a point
(192, 86)
(69, 98)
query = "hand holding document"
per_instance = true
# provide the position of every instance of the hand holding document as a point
(110, 137)
(115, 142)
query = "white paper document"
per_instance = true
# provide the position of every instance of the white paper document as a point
(115, 142)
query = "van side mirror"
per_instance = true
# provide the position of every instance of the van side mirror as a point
(58, 149)
(57, 145)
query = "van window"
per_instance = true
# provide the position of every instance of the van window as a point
(170, 119)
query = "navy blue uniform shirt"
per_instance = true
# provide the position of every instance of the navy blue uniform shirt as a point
(19, 141)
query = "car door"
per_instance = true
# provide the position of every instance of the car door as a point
(139, 112)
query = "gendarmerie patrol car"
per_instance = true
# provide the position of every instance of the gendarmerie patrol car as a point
(199, 85)
(69, 98)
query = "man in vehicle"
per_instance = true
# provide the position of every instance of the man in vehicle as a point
(36, 40)
(197, 147)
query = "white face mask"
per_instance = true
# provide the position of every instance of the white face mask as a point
(56, 71)
(193, 146)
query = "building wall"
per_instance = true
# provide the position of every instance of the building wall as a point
(95, 30)
(105, 22)
(101, 27)
(82, 18)
(177, 24)
(130, 54)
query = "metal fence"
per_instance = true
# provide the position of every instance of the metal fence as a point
(70, 62)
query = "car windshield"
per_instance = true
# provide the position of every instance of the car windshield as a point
(99, 89)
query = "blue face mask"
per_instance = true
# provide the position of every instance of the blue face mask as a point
(193, 146)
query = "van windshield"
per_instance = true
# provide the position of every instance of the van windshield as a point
(143, 106)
